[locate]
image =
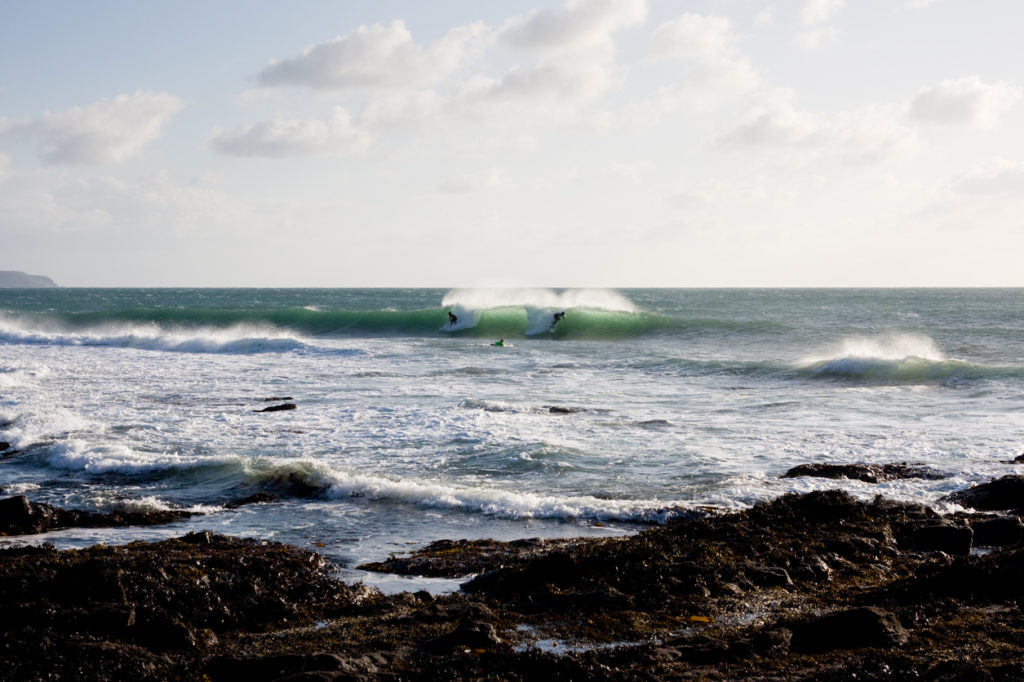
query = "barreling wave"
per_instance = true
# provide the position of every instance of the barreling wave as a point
(900, 359)
(251, 331)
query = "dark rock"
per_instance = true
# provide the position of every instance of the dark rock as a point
(943, 538)
(1003, 493)
(277, 399)
(870, 473)
(274, 667)
(256, 498)
(473, 635)
(766, 576)
(1019, 459)
(279, 408)
(702, 650)
(4, 446)
(998, 532)
(557, 409)
(19, 516)
(853, 629)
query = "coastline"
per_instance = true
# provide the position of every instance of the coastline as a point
(807, 586)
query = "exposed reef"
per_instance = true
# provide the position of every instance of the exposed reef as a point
(807, 587)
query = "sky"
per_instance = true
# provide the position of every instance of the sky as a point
(574, 143)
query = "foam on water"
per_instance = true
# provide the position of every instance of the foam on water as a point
(410, 433)
(235, 339)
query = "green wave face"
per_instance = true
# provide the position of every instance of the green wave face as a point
(502, 322)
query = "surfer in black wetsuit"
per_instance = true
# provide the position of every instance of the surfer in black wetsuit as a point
(558, 318)
(452, 319)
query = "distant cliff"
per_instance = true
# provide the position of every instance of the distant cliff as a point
(13, 278)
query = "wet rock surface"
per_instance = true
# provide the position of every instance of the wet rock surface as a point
(870, 473)
(807, 587)
(20, 516)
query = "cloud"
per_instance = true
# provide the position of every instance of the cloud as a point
(963, 102)
(815, 37)
(550, 92)
(578, 23)
(819, 11)
(107, 131)
(284, 137)
(374, 56)
(815, 15)
(490, 180)
(997, 176)
(716, 71)
(868, 134)
(692, 36)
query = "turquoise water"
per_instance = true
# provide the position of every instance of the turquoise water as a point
(409, 429)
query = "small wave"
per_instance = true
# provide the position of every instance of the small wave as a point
(241, 339)
(899, 359)
(117, 458)
(502, 503)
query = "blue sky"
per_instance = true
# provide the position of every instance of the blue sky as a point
(574, 143)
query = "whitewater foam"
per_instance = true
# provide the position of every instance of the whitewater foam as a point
(508, 504)
(544, 299)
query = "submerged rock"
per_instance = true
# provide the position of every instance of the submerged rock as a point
(1003, 493)
(279, 408)
(870, 473)
(19, 516)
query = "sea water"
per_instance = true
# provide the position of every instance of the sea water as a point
(638, 406)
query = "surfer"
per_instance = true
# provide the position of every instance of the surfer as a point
(499, 342)
(558, 318)
(452, 318)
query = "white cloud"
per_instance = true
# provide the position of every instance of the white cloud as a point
(997, 176)
(283, 137)
(107, 131)
(692, 36)
(469, 183)
(862, 135)
(819, 11)
(550, 92)
(578, 23)
(765, 16)
(375, 56)
(964, 101)
(817, 36)
(708, 85)
(716, 71)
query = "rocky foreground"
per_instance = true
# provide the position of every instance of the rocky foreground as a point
(807, 587)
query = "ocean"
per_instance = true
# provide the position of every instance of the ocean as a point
(639, 406)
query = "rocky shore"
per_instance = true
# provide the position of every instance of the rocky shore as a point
(807, 587)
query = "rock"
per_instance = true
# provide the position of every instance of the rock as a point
(274, 667)
(943, 538)
(866, 626)
(998, 532)
(766, 576)
(4, 446)
(19, 516)
(870, 473)
(1003, 493)
(472, 635)
(1019, 459)
(256, 498)
(279, 408)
